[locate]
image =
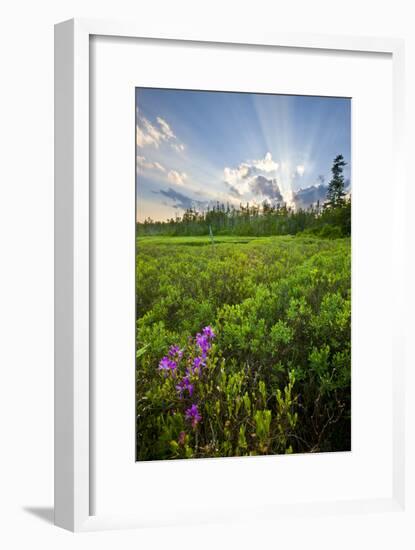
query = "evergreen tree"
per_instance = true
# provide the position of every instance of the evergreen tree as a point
(335, 192)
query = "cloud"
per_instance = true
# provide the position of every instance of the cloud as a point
(267, 187)
(165, 128)
(144, 164)
(179, 147)
(236, 179)
(147, 134)
(303, 198)
(266, 164)
(233, 190)
(180, 200)
(257, 177)
(160, 172)
(156, 133)
(176, 177)
(158, 166)
(234, 175)
(238, 176)
(300, 170)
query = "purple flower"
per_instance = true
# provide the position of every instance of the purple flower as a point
(204, 340)
(175, 351)
(203, 343)
(208, 332)
(197, 365)
(193, 415)
(167, 364)
(164, 363)
(183, 385)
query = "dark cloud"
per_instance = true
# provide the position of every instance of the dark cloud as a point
(233, 190)
(260, 185)
(303, 198)
(180, 200)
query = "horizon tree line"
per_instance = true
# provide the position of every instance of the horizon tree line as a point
(330, 219)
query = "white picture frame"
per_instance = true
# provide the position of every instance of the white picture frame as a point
(74, 451)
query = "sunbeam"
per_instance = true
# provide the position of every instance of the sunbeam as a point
(235, 148)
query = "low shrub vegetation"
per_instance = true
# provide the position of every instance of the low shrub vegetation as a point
(243, 345)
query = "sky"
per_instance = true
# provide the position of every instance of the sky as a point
(194, 148)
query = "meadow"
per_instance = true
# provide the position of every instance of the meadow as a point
(243, 345)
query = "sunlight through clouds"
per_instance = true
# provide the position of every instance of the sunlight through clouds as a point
(237, 148)
(300, 170)
(266, 164)
(256, 179)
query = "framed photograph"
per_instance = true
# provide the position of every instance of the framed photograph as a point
(222, 208)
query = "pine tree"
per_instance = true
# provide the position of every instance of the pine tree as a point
(335, 192)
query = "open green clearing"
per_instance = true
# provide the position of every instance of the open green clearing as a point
(277, 376)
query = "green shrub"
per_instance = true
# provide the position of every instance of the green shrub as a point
(277, 376)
